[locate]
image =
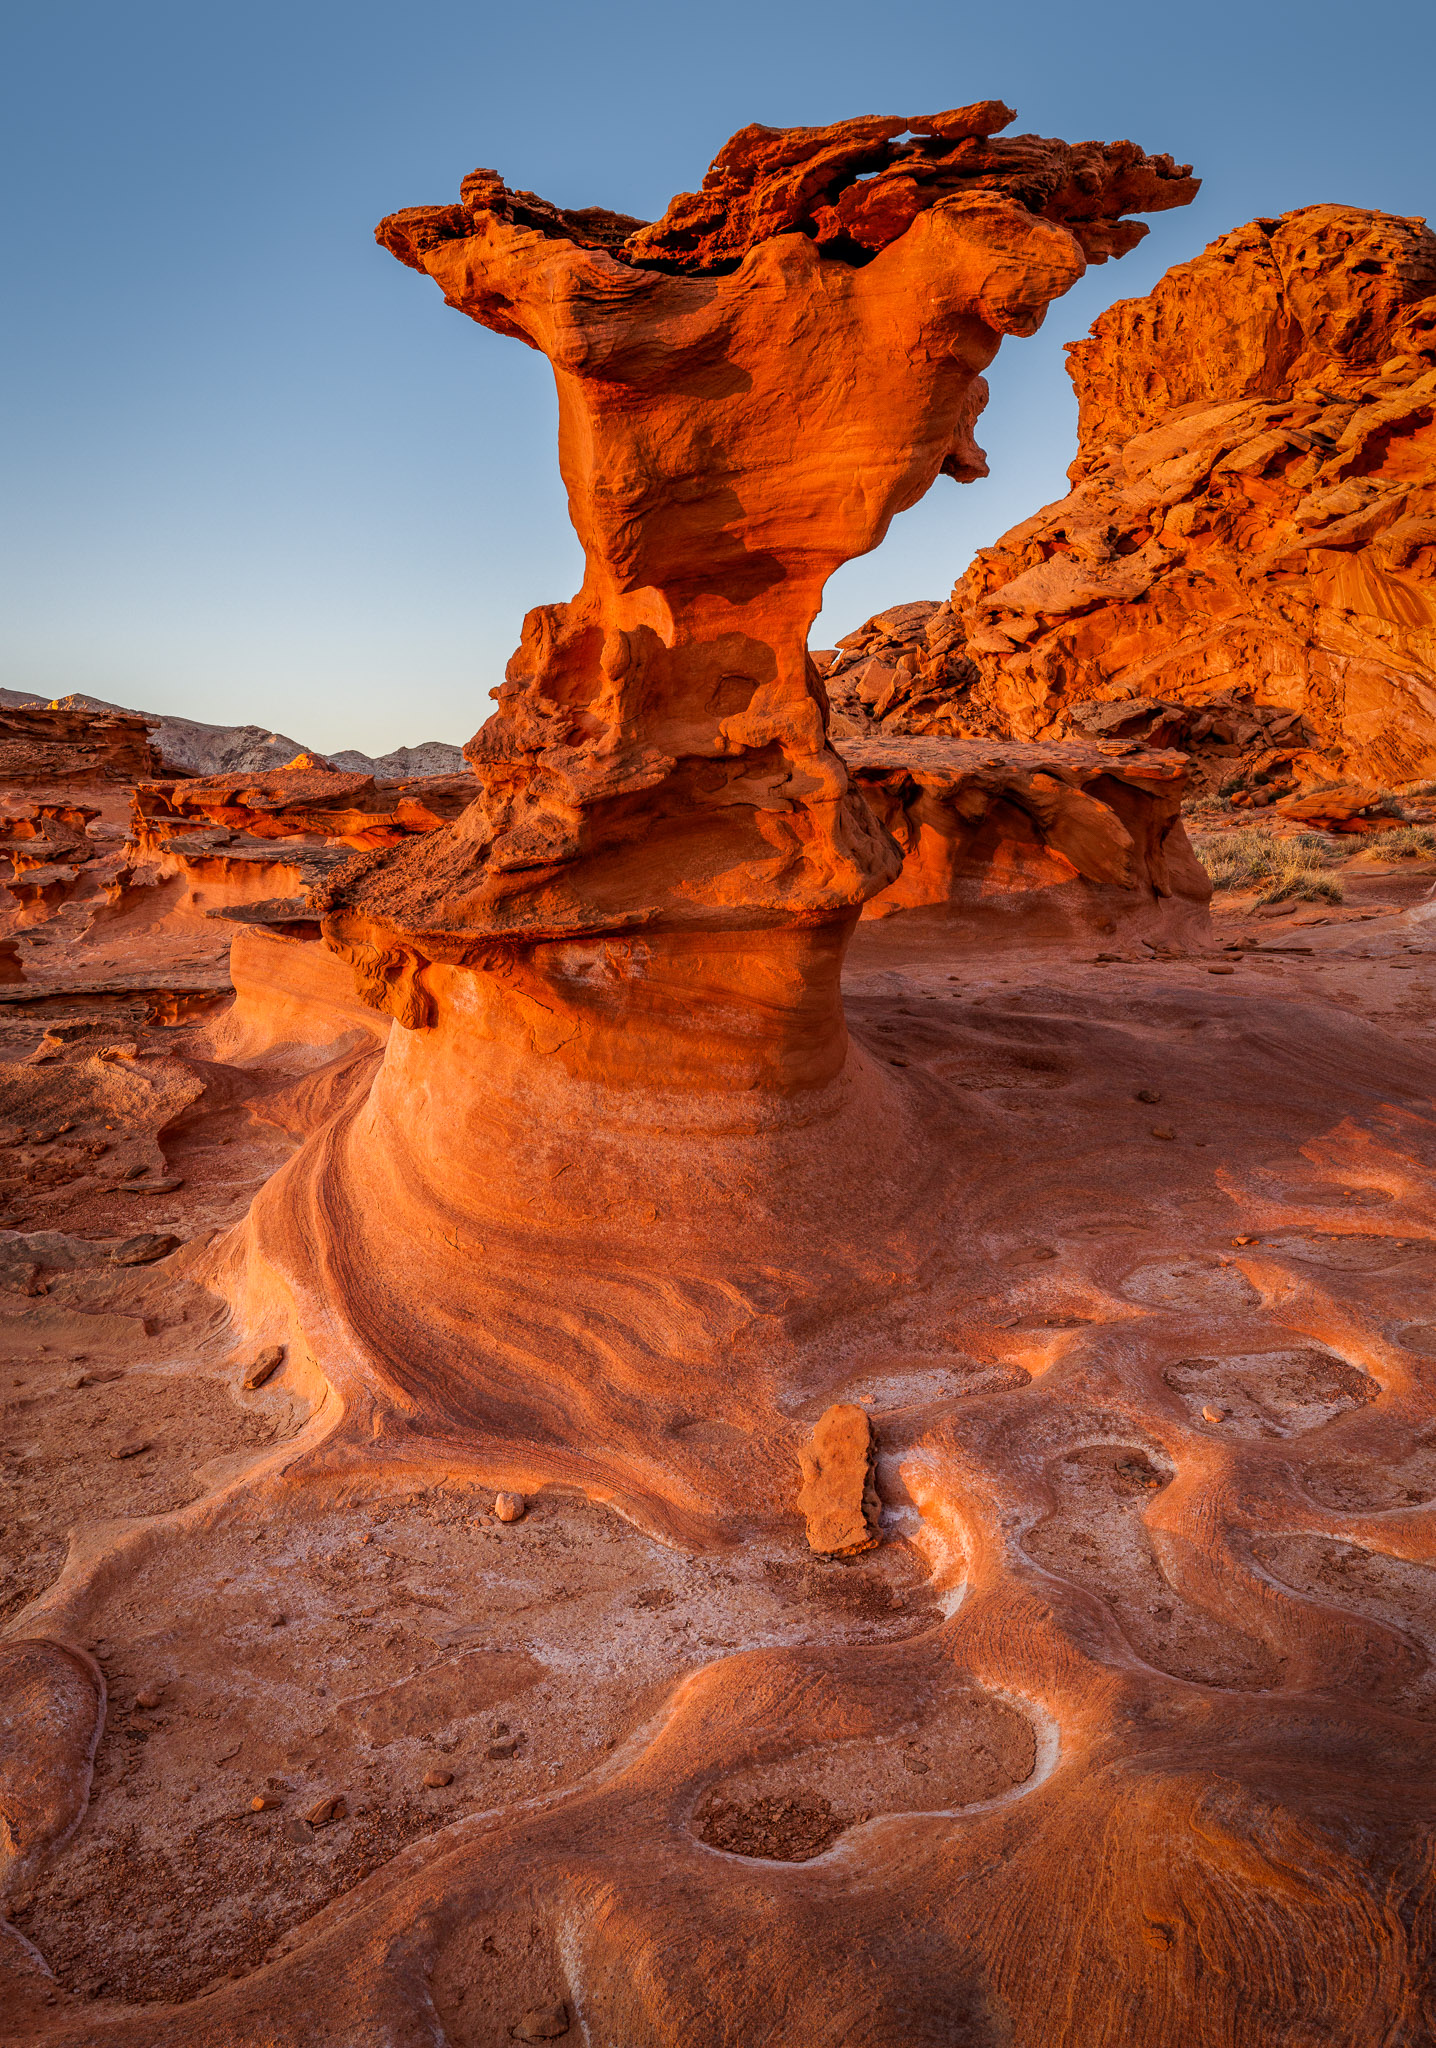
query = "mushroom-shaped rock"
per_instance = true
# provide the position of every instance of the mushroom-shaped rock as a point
(616, 976)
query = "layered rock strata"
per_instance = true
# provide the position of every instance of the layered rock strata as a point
(1034, 841)
(350, 810)
(251, 846)
(658, 762)
(1247, 560)
(51, 746)
(625, 956)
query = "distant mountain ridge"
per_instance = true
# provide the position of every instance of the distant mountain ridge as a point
(194, 748)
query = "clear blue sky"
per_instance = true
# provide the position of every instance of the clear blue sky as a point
(256, 471)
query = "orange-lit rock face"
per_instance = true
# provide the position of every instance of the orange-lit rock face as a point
(309, 803)
(1043, 841)
(1254, 503)
(748, 392)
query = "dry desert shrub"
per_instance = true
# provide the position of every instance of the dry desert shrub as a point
(1408, 842)
(1284, 866)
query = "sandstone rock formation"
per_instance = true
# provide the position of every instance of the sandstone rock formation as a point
(906, 670)
(48, 746)
(310, 803)
(658, 762)
(1246, 564)
(1099, 1284)
(1062, 839)
(635, 933)
(254, 844)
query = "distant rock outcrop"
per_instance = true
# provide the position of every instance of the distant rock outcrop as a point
(1254, 505)
(187, 746)
(50, 746)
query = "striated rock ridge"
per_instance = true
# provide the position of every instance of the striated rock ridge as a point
(1252, 528)
(747, 396)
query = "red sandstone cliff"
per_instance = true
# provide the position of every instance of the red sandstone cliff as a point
(1248, 555)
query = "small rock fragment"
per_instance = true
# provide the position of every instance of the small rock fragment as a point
(1221, 970)
(434, 1779)
(132, 1450)
(1163, 1131)
(544, 2023)
(332, 1807)
(503, 1748)
(145, 1249)
(1147, 1095)
(263, 1802)
(149, 1696)
(1211, 1415)
(1246, 1240)
(165, 1185)
(263, 1368)
(837, 1497)
(509, 1507)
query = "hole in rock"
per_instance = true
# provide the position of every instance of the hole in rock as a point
(967, 1748)
(1269, 1393)
(1189, 1284)
(1389, 1661)
(1352, 1254)
(1399, 1472)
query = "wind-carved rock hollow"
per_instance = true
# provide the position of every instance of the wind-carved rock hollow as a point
(621, 1118)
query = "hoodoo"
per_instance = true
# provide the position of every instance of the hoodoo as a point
(749, 390)
(633, 937)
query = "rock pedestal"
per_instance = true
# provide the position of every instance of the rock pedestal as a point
(617, 976)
